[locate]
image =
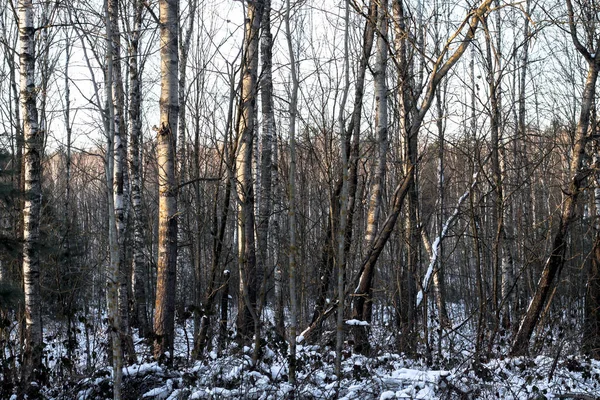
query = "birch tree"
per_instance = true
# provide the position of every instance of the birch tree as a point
(33, 139)
(247, 310)
(135, 133)
(164, 315)
(112, 270)
(266, 157)
(120, 165)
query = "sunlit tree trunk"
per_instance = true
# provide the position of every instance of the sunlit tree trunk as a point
(249, 279)
(164, 315)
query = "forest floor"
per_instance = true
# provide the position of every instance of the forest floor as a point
(449, 372)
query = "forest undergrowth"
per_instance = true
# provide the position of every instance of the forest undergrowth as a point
(447, 367)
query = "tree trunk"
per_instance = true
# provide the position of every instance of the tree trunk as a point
(164, 316)
(185, 253)
(224, 312)
(406, 286)
(275, 241)
(249, 275)
(266, 158)
(341, 232)
(119, 174)
(34, 139)
(112, 271)
(140, 276)
(69, 311)
(439, 281)
(364, 293)
(293, 250)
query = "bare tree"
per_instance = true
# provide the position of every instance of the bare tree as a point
(343, 202)
(112, 271)
(164, 315)
(135, 134)
(34, 139)
(249, 276)
(363, 294)
(120, 166)
(293, 250)
(266, 157)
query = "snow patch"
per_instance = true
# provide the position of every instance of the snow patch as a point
(356, 322)
(387, 395)
(142, 369)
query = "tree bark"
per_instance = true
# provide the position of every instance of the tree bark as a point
(293, 250)
(249, 275)
(266, 157)
(119, 181)
(363, 295)
(164, 316)
(112, 272)
(34, 139)
(140, 276)
(343, 204)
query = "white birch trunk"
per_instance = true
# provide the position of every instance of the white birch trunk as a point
(266, 157)
(34, 139)
(119, 177)
(140, 276)
(112, 270)
(381, 123)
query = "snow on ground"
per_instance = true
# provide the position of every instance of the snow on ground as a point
(443, 374)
